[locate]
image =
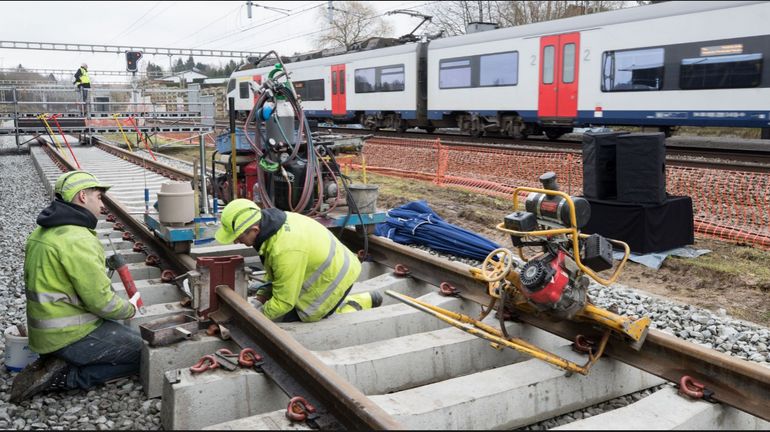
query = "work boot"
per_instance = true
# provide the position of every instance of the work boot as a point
(360, 301)
(46, 373)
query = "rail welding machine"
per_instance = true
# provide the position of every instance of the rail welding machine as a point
(553, 282)
(282, 164)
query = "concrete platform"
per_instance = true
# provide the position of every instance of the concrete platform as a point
(139, 271)
(372, 325)
(156, 361)
(152, 291)
(211, 397)
(512, 396)
(378, 368)
(667, 410)
(275, 420)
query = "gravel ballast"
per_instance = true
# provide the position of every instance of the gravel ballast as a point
(120, 405)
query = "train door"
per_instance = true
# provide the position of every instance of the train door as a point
(558, 88)
(338, 90)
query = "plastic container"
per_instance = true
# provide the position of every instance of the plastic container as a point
(17, 352)
(176, 203)
(365, 196)
(241, 145)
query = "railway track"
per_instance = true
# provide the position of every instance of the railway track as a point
(394, 366)
(680, 152)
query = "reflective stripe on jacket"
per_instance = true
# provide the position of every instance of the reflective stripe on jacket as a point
(68, 291)
(310, 269)
(83, 77)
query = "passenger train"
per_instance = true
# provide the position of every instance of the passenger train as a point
(662, 65)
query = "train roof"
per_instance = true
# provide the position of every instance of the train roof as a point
(565, 25)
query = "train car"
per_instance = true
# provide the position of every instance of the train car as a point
(376, 88)
(664, 65)
(632, 66)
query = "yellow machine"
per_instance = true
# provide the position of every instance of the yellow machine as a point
(553, 282)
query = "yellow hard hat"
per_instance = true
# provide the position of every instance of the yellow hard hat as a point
(237, 217)
(72, 182)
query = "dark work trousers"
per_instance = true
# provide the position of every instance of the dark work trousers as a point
(109, 352)
(84, 93)
(293, 316)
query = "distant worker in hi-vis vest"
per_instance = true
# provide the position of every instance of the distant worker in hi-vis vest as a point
(70, 301)
(83, 83)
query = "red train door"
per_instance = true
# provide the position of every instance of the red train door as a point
(558, 88)
(338, 90)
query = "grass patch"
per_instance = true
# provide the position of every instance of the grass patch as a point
(745, 263)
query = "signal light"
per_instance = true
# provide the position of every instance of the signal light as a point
(132, 60)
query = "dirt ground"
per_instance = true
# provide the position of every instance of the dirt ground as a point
(733, 277)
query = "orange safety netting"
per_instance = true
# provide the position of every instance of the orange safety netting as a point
(731, 205)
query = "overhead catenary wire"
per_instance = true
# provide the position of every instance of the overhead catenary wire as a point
(196, 32)
(130, 27)
(259, 24)
(296, 36)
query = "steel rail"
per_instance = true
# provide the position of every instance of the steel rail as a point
(351, 407)
(158, 167)
(738, 383)
(345, 402)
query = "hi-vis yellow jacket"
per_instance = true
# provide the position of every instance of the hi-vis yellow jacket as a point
(68, 291)
(310, 269)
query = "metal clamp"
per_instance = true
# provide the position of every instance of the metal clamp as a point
(401, 270)
(694, 389)
(299, 409)
(447, 290)
(202, 365)
(249, 358)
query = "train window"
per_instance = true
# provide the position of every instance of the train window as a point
(342, 82)
(312, 90)
(499, 69)
(231, 85)
(548, 66)
(632, 70)
(568, 64)
(243, 90)
(380, 79)
(365, 82)
(454, 73)
(391, 79)
(728, 71)
(334, 82)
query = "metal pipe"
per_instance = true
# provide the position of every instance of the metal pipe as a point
(351, 407)
(204, 194)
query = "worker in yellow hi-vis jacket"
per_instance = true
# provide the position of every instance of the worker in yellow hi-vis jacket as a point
(83, 83)
(70, 301)
(310, 271)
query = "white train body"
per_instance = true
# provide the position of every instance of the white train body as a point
(668, 64)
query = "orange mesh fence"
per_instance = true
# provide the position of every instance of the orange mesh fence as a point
(732, 205)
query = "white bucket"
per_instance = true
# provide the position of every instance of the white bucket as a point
(17, 352)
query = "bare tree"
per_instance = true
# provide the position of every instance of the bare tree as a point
(453, 16)
(352, 21)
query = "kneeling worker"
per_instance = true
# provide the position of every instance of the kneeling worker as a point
(310, 270)
(70, 299)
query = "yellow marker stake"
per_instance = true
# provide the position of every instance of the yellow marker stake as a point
(42, 117)
(363, 167)
(128, 143)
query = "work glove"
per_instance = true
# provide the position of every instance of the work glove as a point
(133, 300)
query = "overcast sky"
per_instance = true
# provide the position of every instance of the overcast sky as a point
(166, 24)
